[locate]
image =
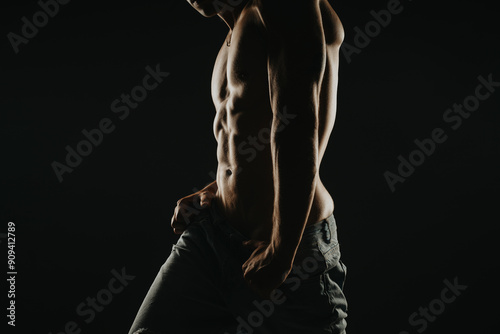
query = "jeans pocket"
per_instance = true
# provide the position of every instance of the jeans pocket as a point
(309, 261)
(330, 249)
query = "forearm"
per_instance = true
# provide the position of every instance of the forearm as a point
(295, 177)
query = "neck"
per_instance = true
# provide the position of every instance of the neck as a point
(230, 13)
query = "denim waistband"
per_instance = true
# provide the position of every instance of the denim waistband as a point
(220, 221)
(326, 228)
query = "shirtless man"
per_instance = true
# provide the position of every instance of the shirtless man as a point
(267, 216)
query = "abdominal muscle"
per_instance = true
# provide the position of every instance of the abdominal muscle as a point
(245, 197)
(245, 181)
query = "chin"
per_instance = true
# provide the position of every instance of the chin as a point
(208, 13)
(204, 7)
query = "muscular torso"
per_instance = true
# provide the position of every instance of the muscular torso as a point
(240, 91)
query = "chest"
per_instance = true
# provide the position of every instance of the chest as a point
(241, 68)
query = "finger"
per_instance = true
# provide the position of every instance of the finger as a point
(252, 245)
(178, 225)
(179, 230)
(205, 200)
(200, 201)
(245, 268)
(247, 274)
(179, 221)
(185, 213)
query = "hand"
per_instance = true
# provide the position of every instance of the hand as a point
(265, 270)
(189, 207)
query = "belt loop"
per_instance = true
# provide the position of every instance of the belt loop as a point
(326, 231)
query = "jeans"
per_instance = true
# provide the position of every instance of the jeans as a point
(200, 288)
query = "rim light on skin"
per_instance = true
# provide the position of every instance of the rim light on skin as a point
(207, 8)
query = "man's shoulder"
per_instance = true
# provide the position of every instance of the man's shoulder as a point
(295, 15)
(284, 9)
(284, 4)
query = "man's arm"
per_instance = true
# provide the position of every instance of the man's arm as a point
(296, 63)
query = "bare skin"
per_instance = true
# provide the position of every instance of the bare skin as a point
(274, 87)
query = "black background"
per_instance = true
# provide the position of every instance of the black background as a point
(114, 209)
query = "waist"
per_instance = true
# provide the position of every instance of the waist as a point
(252, 214)
(326, 229)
